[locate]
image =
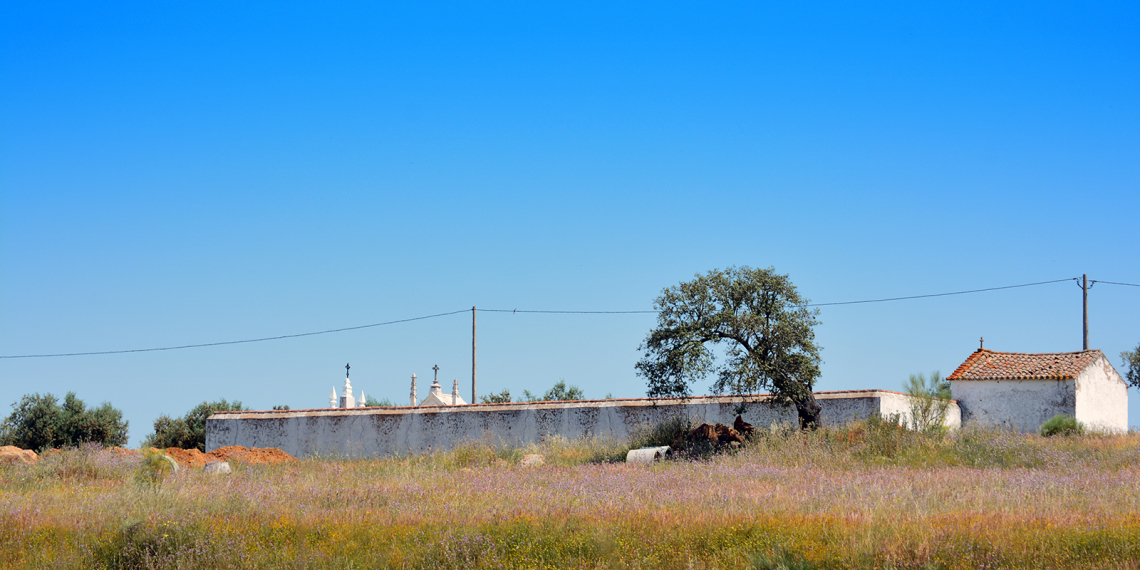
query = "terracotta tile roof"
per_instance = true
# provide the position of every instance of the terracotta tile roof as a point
(990, 365)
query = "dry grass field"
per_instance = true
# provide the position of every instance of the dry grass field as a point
(864, 496)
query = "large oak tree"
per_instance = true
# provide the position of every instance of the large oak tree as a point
(762, 326)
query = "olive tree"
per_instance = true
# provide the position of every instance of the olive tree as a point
(39, 422)
(1132, 361)
(189, 431)
(761, 325)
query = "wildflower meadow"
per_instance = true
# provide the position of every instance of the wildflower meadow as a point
(865, 496)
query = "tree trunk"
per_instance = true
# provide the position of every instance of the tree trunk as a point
(808, 410)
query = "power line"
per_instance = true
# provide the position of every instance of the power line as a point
(1112, 283)
(505, 311)
(237, 341)
(566, 312)
(936, 294)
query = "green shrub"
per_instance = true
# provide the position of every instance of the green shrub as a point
(560, 392)
(155, 467)
(39, 422)
(1062, 424)
(371, 402)
(503, 397)
(928, 401)
(189, 431)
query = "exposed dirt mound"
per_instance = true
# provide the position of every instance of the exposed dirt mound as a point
(11, 454)
(187, 457)
(123, 451)
(249, 455)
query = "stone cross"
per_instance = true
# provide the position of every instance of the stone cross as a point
(436, 368)
(346, 368)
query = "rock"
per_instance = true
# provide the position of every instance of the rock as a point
(743, 427)
(217, 467)
(533, 460)
(12, 454)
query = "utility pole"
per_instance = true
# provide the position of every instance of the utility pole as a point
(1085, 294)
(473, 393)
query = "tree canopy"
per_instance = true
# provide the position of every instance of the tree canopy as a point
(1132, 361)
(762, 326)
(189, 431)
(39, 422)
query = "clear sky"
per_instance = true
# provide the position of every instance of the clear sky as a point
(189, 173)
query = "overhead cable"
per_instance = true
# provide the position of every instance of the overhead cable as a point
(238, 341)
(263, 339)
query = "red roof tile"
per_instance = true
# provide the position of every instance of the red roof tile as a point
(990, 365)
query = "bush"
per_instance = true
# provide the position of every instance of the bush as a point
(559, 392)
(370, 402)
(155, 467)
(928, 402)
(1062, 424)
(189, 431)
(39, 422)
(503, 397)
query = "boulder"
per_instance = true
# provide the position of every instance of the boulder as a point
(217, 467)
(532, 460)
(12, 454)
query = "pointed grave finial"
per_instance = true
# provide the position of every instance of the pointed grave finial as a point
(981, 342)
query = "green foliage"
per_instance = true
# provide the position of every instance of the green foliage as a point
(1062, 424)
(780, 559)
(503, 397)
(38, 422)
(281, 408)
(767, 335)
(928, 401)
(371, 402)
(560, 392)
(189, 431)
(154, 468)
(1132, 362)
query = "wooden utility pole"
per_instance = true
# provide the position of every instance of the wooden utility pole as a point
(1085, 294)
(473, 392)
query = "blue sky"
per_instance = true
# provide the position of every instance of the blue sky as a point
(174, 175)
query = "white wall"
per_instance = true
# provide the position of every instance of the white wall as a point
(384, 431)
(1102, 398)
(1022, 405)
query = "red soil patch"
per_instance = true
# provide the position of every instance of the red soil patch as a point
(123, 451)
(249, 455)
(12, 454)
(187, 457)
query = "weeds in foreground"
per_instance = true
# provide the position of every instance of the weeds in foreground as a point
(867, 495)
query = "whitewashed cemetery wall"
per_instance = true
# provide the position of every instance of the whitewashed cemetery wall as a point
(364, 432)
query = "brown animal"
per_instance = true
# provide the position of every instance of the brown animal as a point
(726, 434)
(743, 427)
(705, 431)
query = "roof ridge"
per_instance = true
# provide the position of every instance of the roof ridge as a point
(985, 364)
